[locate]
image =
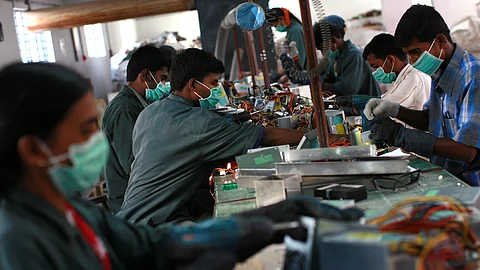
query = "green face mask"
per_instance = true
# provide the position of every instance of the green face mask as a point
(158, 93)
(386, 78)
(281, 28)
(88, 160)
(427, 63)
(213, 99)
(334, 54)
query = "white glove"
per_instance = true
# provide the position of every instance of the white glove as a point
(379, 107)
(293, 49)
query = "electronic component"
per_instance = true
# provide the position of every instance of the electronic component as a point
(309, 140)
(335, 119)
(360, 249)
(282, 148)
(261, 159)
(341, 192)
(357, 102)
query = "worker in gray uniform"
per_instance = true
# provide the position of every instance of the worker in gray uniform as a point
(348, 73)
(48, 154)
(145, 72)
(177, 142)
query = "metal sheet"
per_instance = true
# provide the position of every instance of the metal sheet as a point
(331, 153)
(344, 168)
(269, 192)
(293, 183)
(281, 148)
(255, 172)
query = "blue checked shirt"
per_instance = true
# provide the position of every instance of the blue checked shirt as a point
(454, 111)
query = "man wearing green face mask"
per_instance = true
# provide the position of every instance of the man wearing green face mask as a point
(177, 142)
(145, 75)
(448, 125)
(284, 21)
(347, 73)
(409, 87)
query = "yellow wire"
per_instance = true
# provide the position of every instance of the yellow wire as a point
(429, 247)
(455, 204)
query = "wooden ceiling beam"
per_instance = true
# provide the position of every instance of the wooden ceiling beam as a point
(75, 15)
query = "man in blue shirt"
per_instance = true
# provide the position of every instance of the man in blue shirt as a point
(451, 116)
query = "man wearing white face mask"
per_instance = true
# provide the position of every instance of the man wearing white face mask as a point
(177, 142)
(451, 116)
(409, 87)
(145, 73)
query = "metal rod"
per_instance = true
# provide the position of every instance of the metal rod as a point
(237, 50)
(251, 55)
(263, 58)
(315, 84)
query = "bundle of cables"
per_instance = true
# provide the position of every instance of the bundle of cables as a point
(302, 115)
(444, 237)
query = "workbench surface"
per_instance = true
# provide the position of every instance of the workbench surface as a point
(238, 200)
(242, 199)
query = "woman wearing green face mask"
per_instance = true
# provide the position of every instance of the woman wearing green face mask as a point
(284, 21)
(50, 146)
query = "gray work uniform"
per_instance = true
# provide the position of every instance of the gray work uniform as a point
(352, 74)
(295, 33)
(118, 122)
(176, 146)
(36, 235)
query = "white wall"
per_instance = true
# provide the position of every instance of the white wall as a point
(455, 11)
(122, 35)
(9, 51)
(185, 23)
(392, 13)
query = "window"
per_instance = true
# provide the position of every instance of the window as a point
(95, 40)
(34, 46)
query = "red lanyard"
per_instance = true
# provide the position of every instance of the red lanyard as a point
(89, 235)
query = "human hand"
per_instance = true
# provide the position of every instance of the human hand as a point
(394, 134)
(379, 107)
(293, 51)
(386, 130)
(295, 208)
(241, 236)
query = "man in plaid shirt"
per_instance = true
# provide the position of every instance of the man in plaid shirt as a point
(449, 125)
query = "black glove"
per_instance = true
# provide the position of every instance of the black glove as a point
(394, 134)
(293, 209)
(211, 260)
(241, 236)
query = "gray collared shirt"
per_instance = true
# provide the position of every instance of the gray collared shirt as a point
(176, 146)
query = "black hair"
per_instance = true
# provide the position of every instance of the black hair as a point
(317, 33)
(193, 63)
(34, 99)
(147, 57)
(274, 13)
(382, 46)
(171, 52)
(420, 22)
